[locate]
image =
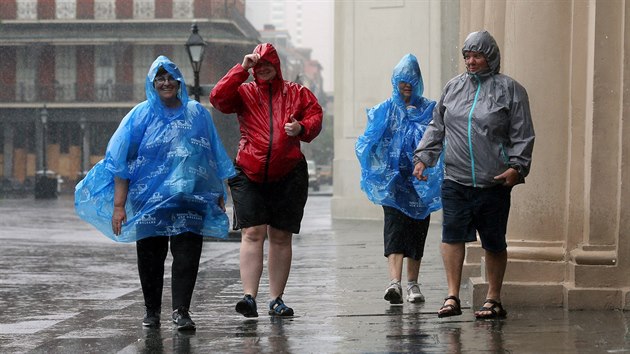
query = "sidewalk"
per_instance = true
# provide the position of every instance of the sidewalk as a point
(66, 289)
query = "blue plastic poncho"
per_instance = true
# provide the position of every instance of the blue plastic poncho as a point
(175, 163)
(385, 150)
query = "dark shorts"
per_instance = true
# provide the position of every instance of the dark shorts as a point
(468, 210)
(279, 204)
(403, 234)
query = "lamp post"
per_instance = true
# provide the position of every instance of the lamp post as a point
(45, 187)
(43, 116)
(195, 46)
(84, 147)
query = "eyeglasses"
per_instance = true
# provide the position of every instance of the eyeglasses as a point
(163, 79)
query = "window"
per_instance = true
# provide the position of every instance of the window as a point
(25, 74)
(104, 9)
(65, 73)
(142, 59)
(66, 9)
(181, 58)
(105, 73)
(143, 9)
(183, 9)
(27, 9)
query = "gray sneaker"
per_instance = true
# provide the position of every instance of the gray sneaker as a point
(393, 293)
(413, 293)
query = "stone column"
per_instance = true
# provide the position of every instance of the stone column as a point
(567, 238)
(7, 148)
(598, 268)
(85, 148)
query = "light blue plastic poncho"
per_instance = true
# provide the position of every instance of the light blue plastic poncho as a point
(175, 163)
(385, 150)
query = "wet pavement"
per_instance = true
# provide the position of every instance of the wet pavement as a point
(64, 288)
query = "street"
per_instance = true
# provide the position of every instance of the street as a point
(67, 289)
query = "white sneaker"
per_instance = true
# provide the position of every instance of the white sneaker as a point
(393, 293)
(413, 293)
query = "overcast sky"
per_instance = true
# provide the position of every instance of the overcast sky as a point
(315, 17)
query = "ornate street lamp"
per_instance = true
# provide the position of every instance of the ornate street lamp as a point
(45, 187)
(43, 116)
(84, 147)
(195, 46)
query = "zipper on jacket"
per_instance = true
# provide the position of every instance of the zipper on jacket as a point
(504, 156)
(470, 147)
(270, 133)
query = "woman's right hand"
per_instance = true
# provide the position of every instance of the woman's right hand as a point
(250, 60)
(119, 217)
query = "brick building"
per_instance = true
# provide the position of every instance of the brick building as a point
(85, 62)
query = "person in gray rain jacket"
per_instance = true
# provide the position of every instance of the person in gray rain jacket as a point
(483, 123)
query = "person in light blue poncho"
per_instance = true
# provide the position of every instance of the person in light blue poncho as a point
(161, 182)
(385, 153)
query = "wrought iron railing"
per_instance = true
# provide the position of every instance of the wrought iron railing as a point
(107, 92)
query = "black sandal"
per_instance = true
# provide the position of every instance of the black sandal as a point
(496, 310)
(451, 310)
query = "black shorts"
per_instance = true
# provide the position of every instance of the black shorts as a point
(279, 204)
(403, 234)
(468, 210)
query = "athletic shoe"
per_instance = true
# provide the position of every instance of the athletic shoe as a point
(247, 306)
(151, 318)
(182, 319)
(393, 293)
(413, 293)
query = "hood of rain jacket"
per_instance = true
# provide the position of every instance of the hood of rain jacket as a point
(483, 42)
(385, 150)
(482, 122)
(176, 166)
(266, 153)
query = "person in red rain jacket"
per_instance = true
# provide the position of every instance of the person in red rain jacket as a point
(271, 186)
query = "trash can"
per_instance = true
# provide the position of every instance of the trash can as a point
(46, 185)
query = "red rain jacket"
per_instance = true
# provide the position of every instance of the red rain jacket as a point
(266, 153)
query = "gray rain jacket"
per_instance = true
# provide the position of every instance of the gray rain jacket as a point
(482, 122)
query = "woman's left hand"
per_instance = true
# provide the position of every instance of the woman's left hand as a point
(293, 128)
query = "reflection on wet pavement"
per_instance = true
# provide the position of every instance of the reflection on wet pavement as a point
(66, 289)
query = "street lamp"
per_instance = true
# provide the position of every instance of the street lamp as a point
(43, 116)
(45, 187)
(195, 46)
(84, 147)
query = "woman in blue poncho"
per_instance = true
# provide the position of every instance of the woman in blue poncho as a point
(161, 182)
(385, 153)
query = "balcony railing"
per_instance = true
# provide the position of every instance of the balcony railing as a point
(107, 92)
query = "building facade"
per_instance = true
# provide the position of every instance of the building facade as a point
(85, 63)
(569, 230)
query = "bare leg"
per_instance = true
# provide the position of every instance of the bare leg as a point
(251, 257)
(279, 260)
(495, 270)
(413, 269)
(395, 264)
(453, 258)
